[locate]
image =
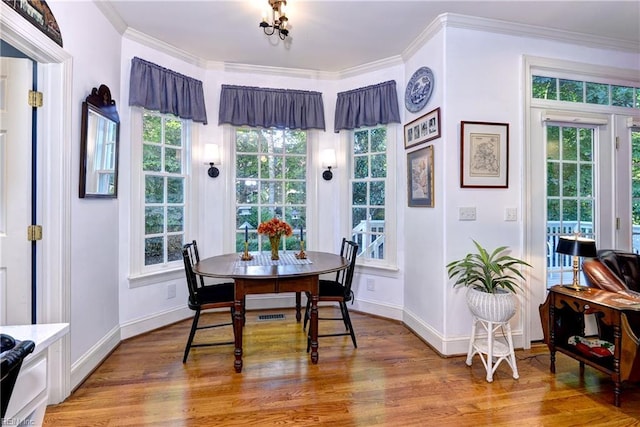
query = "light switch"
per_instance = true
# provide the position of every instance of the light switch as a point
(511, 214)
(467, 214)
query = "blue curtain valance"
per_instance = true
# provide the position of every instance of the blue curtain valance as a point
(367, 106)
(160, 89)
(265, 107)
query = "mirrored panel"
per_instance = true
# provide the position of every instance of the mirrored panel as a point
(99, 145)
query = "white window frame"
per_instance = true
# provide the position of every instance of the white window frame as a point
(391, 202)
(139, 274)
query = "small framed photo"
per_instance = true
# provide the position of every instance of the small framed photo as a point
(484, 155)
(422, 129)
(420, 177)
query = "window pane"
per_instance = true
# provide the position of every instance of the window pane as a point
(153, 220)
(361, 142)
(622, 96)
(586, 180)
(151, 128)
(361, 167)
(377, 215)
(271, 167)
(359, 193)
(296, 193)
(175, 219)
(571, 90)
(376, 193)
(173, 132)
(246, 192)
(271, 192)
(569, 210)
(553, 210)
(151, 158)
(153, 250)
(379, 166)
(246, 166)
(295, 142)
(379, 140)
(553, 179)
(586, 145)
(173, 160)
(359, 216)
(597, 93)
(296, 168)
(154, 189)
(544, 87)
(569, 144)
(569, 180)
(586, 213)
(175, 190)
(175, 247)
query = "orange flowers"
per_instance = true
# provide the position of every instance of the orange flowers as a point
(275, 227)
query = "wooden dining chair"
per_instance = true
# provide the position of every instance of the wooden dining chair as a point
(337, 290)
(204, 297)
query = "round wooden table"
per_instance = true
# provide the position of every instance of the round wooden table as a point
(256, 277)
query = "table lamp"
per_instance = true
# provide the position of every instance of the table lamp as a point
(577, 247)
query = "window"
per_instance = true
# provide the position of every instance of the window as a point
(368, 192)
(635, 189)
(557, 89)
(570, 192)
(165, 142)
(271, 181)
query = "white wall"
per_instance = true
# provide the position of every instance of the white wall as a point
(95, 47)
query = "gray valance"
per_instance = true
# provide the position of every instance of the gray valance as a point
(160, 89)
(264, 107)
(367, 106)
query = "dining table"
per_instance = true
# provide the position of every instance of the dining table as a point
(262, 275)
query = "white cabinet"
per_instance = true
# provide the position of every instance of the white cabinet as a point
(30, 393)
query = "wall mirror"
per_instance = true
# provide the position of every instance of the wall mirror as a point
(99, 145)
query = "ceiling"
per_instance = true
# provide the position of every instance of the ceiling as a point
(336, 35)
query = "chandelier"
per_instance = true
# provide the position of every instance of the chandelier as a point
(278, 22)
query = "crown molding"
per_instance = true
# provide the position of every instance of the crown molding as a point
(112, 16)
(276, 71)
(454, 20)
(163, 47)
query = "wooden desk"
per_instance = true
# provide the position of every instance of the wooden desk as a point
(562, 316)
(261, 279)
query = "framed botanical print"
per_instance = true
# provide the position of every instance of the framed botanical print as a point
(420, 177)
(484, 155)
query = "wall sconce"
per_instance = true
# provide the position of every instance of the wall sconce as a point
(212, 154)
(328, 158)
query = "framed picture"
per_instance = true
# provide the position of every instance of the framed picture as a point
(420, 177)
(422, 129)
(484, 155)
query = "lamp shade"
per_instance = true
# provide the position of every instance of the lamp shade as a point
(328, 158)
(577, 246)
(212, 154)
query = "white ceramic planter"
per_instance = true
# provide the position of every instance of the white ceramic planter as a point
(498, 307)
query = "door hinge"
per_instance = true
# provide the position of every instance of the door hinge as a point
(34, 232)
(617, 142)
(35, 99)
(617, 223)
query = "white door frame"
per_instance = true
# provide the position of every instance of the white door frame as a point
(53, 183)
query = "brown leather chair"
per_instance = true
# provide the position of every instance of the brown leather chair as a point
(613, 270)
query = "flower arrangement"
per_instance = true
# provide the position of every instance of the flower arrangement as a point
(275, 228)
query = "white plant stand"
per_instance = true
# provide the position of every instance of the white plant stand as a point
(492, 350)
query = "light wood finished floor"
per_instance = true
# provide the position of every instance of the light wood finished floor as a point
(391, 379)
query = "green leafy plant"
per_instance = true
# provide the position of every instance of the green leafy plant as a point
(487, 272)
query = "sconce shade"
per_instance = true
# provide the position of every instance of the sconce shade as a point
(328, 158)
(212, 154)
(577, 246)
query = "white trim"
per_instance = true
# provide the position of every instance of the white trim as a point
(87, 363)
(156, 320)
(580, 119)
(54, 184)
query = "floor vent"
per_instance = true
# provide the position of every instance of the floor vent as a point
(268, 317)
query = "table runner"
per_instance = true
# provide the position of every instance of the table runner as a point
(261, 259)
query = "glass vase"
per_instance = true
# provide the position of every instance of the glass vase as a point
(275, 247)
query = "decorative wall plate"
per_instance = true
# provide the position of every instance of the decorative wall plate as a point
(419, 90)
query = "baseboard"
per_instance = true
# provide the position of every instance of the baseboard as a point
(377, 309)
(89, 361)
(154, 321)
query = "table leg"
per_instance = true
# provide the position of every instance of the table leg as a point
(313, 326)
(298, 306)
(238, 323)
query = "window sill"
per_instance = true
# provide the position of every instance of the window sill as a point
(387, 270)
(148, 279)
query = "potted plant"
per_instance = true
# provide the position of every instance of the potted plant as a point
(492, 281)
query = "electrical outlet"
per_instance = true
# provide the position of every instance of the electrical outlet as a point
(511, 214)
(467, 214)
(371, 285)
(171, 290)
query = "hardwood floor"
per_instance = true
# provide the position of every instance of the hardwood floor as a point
(391, 379)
